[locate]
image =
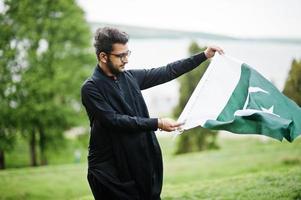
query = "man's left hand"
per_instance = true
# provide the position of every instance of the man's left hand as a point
(210, 51)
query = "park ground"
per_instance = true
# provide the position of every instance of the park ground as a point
(242, 168)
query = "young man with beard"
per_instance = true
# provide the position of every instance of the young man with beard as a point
(124, 160)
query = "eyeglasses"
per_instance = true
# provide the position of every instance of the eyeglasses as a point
(122, 56)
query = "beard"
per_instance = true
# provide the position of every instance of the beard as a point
(113, 68)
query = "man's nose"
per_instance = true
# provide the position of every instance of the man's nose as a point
(125, 60)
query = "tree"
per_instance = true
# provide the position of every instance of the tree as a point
(199, 138)
(292, 87)
(52, 42)
(9, 80)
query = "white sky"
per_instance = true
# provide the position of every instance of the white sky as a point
(243, 18)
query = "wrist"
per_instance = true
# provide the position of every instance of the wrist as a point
(206, 54)
(160, 123)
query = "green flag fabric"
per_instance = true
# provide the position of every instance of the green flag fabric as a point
(233, 96)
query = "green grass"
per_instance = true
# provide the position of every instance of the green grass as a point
(242, 169)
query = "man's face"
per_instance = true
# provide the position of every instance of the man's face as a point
(118, 58)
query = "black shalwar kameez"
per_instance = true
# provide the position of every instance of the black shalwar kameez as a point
(125, 160)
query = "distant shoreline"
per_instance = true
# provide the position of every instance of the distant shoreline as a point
(137, 32)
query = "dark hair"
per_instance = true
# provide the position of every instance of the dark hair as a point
(106, 37)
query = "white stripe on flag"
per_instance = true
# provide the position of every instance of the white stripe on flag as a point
(212, 92)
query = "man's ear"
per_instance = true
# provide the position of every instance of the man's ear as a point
(103, 57)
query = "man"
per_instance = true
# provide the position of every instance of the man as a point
(124, 160)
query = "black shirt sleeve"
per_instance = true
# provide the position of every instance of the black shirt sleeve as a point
(98, 109)
(147, 78)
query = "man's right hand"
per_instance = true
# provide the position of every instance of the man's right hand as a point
(210, 51)
(167, 124)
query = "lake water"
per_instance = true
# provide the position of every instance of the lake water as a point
(273, 60)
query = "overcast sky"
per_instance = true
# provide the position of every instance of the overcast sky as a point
(243, 18)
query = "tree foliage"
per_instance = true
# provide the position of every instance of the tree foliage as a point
(8, 87)
(47, 57)
(198, 138)
(292, 87)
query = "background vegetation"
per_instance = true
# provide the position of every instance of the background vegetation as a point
(45, 57)
(292, 86)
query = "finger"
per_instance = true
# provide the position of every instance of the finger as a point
(215, 48)
(220, 51)
(177, 125)
(171, 129)
(181, 123)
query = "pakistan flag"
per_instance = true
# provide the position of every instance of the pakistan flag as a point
(233, 96)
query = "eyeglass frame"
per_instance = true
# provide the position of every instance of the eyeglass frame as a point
(122, 56)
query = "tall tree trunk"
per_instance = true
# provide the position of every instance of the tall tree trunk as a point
(2, 159)
(33, 150)
(42, 144)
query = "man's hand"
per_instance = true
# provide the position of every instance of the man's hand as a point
(167, 124)
(210, 51)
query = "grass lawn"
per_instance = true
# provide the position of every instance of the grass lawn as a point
(244, 168)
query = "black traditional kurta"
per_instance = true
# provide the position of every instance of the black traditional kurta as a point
(124, 158)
